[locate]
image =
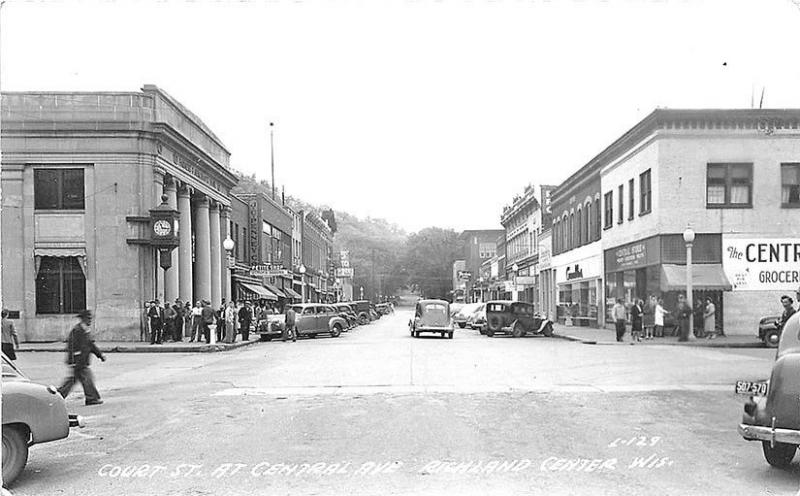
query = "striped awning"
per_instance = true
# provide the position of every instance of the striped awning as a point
(276, 291)
(290, 293)
(261, 291)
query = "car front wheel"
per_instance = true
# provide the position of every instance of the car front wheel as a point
(15, 453)
(462, 324)
(780, 456)
(336, 331)
(489, 332)
(449, 335)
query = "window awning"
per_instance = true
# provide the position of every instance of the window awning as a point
(59, 252)
(704, 277)
(275, 290)
(290, 293)
(261, 291)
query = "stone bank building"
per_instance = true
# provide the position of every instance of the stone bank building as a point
(80, 172)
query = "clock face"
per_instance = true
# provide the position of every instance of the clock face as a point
(162, 228)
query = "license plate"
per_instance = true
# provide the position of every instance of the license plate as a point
(751, 388)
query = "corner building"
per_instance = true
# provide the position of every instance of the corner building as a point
(80, 172)
(733, 176)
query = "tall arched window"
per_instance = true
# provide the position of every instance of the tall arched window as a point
(571, 231)
(587, 223)
(597, 218)
(564, 233)
(579, 229)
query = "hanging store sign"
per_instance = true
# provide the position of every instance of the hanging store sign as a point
(344, 272)
(759, 264)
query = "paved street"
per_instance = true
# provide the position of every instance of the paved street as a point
(378, 412)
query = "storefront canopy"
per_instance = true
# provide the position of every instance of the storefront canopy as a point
(261, 291)
(704, 277)
(290, 293)
(276, 291)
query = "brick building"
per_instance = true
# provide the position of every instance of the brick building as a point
(733, 176)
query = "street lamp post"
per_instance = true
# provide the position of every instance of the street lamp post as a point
(515, 269)
(228, 245)
(303, 280)
(688, 238)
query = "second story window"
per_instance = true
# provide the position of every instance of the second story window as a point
(609, 209)
(630, 199)
(729, 185)
(596, 212)
(58, 189)
(621, 200)
(790, 185)
(645, 193)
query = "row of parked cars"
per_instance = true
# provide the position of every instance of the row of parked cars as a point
(312, 319)
(516, 318)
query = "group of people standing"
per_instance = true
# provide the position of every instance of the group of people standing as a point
(179, 320)
(648, 318)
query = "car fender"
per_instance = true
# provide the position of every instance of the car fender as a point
(42, 411)
(337, 320)
(542, 325)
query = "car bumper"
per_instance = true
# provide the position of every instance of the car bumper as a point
(761, 433)
(434, 329)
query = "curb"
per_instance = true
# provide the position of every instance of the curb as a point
(694, 344)
(147, 348)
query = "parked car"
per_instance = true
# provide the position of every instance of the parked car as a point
(463, 314)
(517, 318)
(769, 331)
(270, 326)
(317, 318)
(771, 415)
(363, 310)
(346, 312)
(432, 316)
(455, 307)
(478, 319)
(384, 308)
(32, 414)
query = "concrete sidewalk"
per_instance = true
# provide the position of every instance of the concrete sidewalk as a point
(589, 335)
(143, 347)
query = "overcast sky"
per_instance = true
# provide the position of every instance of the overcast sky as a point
(424, 113)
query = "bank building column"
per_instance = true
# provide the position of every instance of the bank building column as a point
(216, 249)
(158, 190)
(171, 274)
(202, 250)
(185, 248)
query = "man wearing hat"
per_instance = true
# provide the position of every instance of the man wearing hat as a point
(80, 345)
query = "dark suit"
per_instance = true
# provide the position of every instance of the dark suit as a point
(245, 318)
(80, 347)
(156, 316)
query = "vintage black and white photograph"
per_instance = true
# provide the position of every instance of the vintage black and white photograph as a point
(400, 247)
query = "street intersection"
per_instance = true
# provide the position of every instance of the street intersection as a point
(378, 412)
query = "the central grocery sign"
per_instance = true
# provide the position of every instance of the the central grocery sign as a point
(762, 264)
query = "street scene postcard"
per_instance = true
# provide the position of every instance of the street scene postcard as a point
(400, 247)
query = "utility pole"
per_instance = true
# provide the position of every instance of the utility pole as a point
(272, 159)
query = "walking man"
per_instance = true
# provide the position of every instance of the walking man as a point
(80, 347)
(618, 314)
(10, 337)
(156, 315)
